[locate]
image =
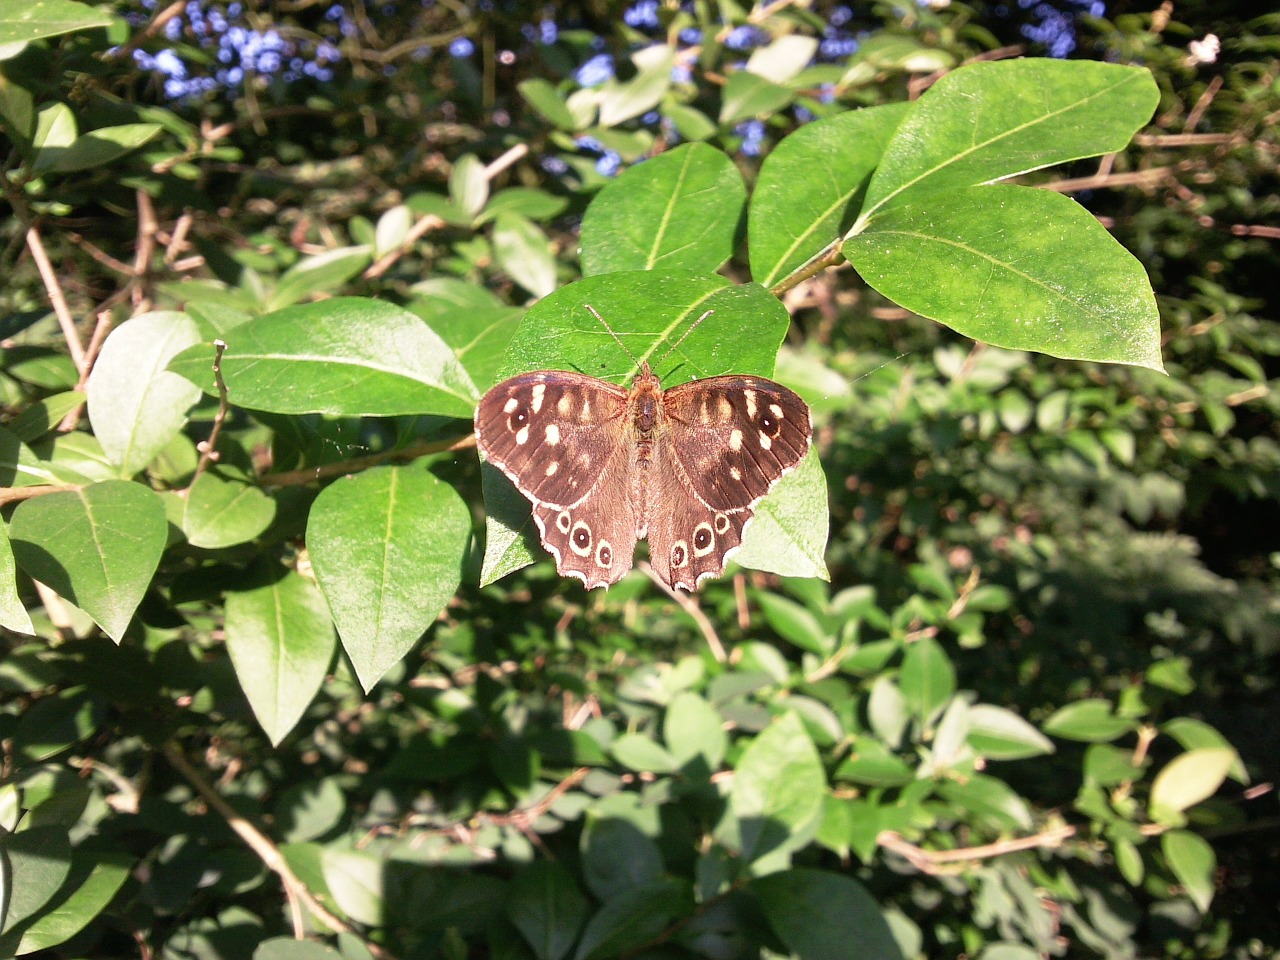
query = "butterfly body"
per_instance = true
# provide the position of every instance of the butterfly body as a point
(606, 466)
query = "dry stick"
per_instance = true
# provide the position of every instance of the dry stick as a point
(934, 862)
(56, 299)
(692, 609)
(209, 448)
(260, 844)
(294, 478)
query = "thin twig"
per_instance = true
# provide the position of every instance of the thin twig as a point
(690, 607)
(937, 862)
(209, 448)
(10, 495)
(294, 478)
(56, 299)
(125, 50)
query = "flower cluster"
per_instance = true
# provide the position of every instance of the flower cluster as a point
(1055, 27)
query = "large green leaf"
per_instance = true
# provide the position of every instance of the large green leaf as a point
(680, 210)
(93, 881)
(547, 908)
(224, 512)
(524, 252)
(24, 22)
(136, 405)
(280, 638)
(788, 535)
(97, 546)
(776, 799)
(810, 188)
(821, 915)
(387, 546)
(1015, 267)
(36, 863)
(318, 274)
(346, 356)
(95, 148)
(634, 917)
(988, 121)
(13, 615)
(928, 678)
(1193, 862)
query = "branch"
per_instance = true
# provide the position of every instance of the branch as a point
(295, 478)
(935, 862)
(689, 606)
(209, 448)
(56, 299)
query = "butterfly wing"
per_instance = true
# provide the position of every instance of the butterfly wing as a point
(688, 541)
(595, 540)
(732, 438)
(553, 433)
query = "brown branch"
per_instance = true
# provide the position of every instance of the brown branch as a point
(937, 862)
(209, 448)
(293, 478)
(56, 298)
(689, 606)
(10, 495)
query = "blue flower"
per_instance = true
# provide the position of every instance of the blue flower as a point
(690, 36)
(595, 71)
(461, 47)
(752, 133)
(554, 166)
(745, 37)
(608, 164)
(548, 32)
(642, 15)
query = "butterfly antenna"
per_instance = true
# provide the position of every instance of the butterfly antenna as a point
(694, 326)
(604, 323)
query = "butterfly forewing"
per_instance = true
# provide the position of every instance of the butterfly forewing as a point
(553, 433)
(733, 437)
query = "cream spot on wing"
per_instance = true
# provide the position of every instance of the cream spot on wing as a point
(735, 440)
(539, 391)
(553, 435)
(775, 410)
(552, 467)
(725, 408)
(586, 407)
(522, 435)
(733, 472)
(765, 442)
(750, 397)
(564, 404)
(510, 405)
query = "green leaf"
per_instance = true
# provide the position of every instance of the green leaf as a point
(746, 95)
(318, 274)
(648, 311)
(811, 185)
(544, 98)
(95, 148)
(24, 22)
(691, 123)
(36, 863)
(1196, 734)
(346, 356)
(41, 418)
(287, 948)
(788, 535)
(632, 918)
(928, 679)
(1003, 735)
(547, 908)
(987, 121)
(55, 132)
(98, 547)
(1193, 862)
(617, 857)
(644, 91)
(387, 546)
(19, 466)
(392, 230)
(524, 253)
(795, 624)
(679, 210)
(532, 204)
(136, 405)
(1014, 267)
(989, 801)
(1088, 720)
(93, 882)
(468, 185)
(13, 615)
(280, 639)
(356, 881)
(775, 803)
(1191, 777)
(784, 58)
(222, 512)
(479, 337)
(820, 915)
(637, 752)
(694, 730)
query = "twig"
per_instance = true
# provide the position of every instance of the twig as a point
(125, 50)
(261, 845)
(692, 609)
(935, 862)
(1202, 104)
(56, 299)
(294, 478)
(209, 448)
(10, 495)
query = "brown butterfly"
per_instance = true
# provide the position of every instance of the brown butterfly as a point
(606, 466)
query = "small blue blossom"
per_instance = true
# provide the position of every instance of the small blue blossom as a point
(752, 133)
(650, 118)
(548, 32)
(595, 71)
(691, 36)
(642, 15)
(554, 166)
(840, 16)
(745, 37)
(608, 164)
(461, 47)
(803, 114)
(681, 73)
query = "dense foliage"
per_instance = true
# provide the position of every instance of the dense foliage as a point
(994, 673)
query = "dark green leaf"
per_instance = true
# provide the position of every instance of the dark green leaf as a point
(824, 916)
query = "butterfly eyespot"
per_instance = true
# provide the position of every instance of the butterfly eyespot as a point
(563, 522)
(722, 523)
(580, 539)
(679, 554)
(704, 540)
(769, 425)
(604, 554)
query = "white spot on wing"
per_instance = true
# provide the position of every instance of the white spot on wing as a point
(765, 442)
(539, 391)
(510, 405)
(564, 405)
(735, 440)
(775, 410)
(552, 467)
(553, 434)
(750, 396)
(522, 435)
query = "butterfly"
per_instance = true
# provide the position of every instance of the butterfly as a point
(606, 466)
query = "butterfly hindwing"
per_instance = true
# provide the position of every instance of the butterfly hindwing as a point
(732, 438)
(553, 433)
(594, 541)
